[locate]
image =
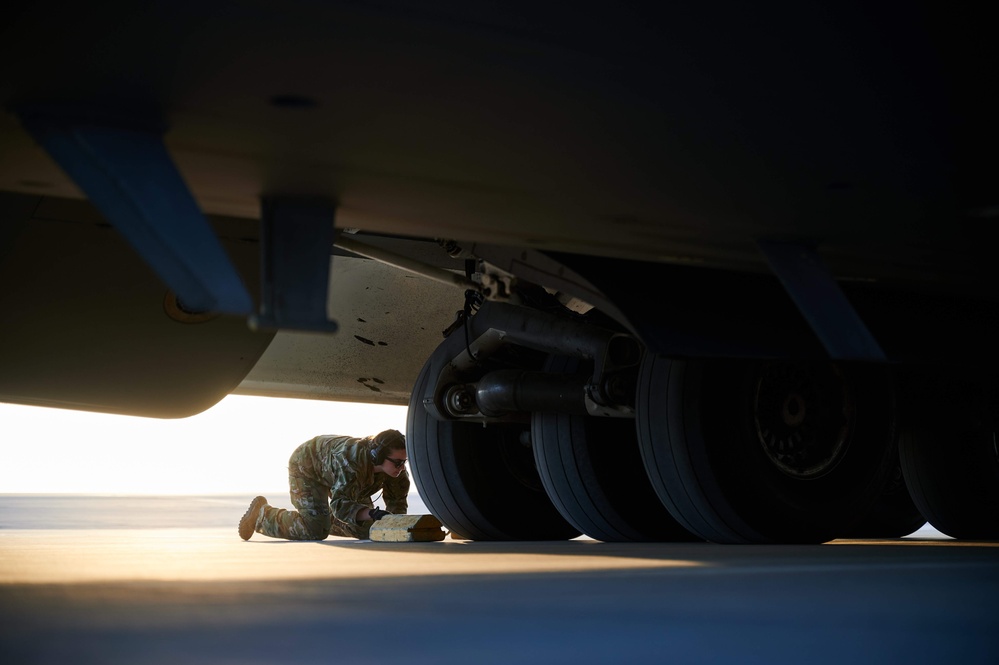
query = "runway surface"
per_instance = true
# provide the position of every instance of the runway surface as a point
(201, 595)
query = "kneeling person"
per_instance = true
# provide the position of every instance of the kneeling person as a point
(332, 479)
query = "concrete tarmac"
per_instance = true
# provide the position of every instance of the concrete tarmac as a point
(202, 595)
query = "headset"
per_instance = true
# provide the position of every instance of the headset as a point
(384, 442)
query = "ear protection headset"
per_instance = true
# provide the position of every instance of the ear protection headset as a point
(385, 442)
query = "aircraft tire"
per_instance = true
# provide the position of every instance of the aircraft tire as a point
(894, 513)
(949, 456)
(705, 431)
(592, 469)
(480, 482)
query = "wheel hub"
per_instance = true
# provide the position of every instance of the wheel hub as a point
(794, 410)
(804, 418)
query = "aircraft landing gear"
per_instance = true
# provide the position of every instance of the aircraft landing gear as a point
(950, 455)
(479, 479)
(764, 452)
(893, 514)
(592, 470)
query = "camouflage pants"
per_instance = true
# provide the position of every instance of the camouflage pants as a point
(311, 521)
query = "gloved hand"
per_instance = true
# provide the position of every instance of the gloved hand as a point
(377, 513)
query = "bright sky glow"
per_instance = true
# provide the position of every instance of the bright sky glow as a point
(241, 445)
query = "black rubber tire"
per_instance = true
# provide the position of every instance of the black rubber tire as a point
(701, 444)
(481, 482)
(592, 469)
(949, 454)
(894, 513)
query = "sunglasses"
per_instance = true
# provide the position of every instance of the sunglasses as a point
(398, 462)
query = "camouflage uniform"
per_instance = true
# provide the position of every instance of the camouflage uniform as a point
(340, 470)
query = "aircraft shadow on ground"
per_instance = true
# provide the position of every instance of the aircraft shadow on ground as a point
(656, 551)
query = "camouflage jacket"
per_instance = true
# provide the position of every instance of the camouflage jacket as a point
(345, 466)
